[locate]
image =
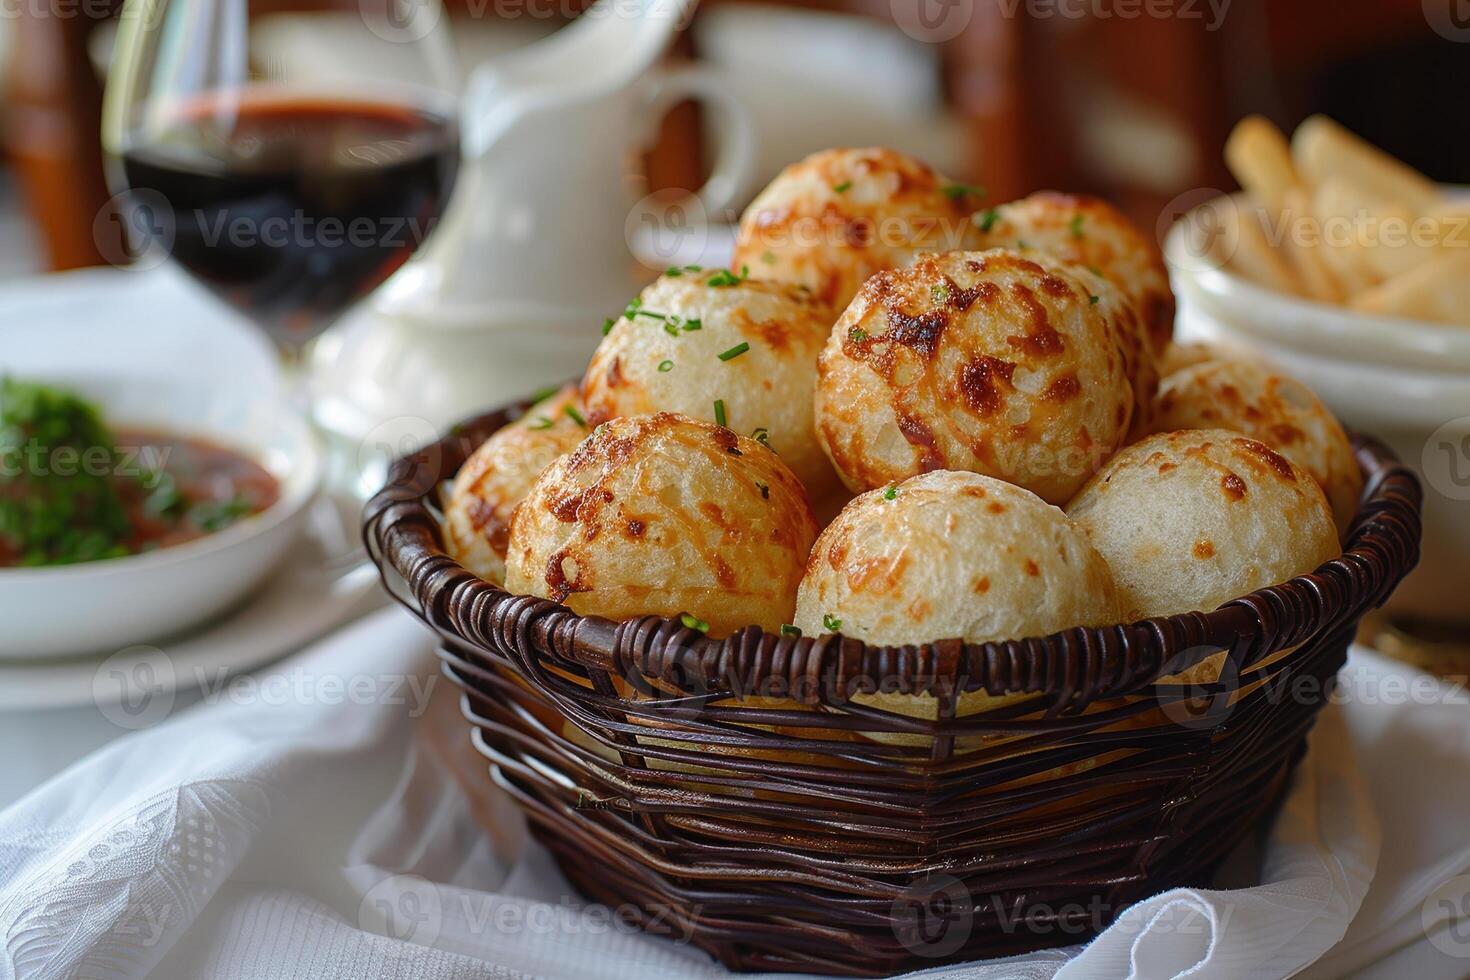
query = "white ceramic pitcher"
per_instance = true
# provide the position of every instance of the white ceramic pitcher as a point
(536, 248)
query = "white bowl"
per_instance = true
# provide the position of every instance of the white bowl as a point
(1406, 382)
(106, 606)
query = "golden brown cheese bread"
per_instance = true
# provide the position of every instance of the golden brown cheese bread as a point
(663, 514)
(951, 554)
(1190, 520)
(497, 477)
(695, 338)
(1257, 400)
(837, 217)
(1012, 366)
(948, 555)
(1090, 232)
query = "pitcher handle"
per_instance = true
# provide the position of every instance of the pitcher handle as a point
(735, 133)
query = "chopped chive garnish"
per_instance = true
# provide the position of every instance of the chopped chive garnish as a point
(673, 270)
(671, 328)
(765, 491)
(1093, 299)
(768, 257)
(735, 351)
(1076, 226)
(691, 623)
(989, 218)
(574, 415)
(788, 630)
(607, 326)
(891, 493)
(956, 191)
(664, 367)
(843, 187)
(940, 293)
(857, 335)
(831, 623)
(762, 436)
(720, 418)
(727, 278)
(693, 323)
(542, 422)
(1021, 243)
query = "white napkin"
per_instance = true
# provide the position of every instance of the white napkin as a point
(295, 828)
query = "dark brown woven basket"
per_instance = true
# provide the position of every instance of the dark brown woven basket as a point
(730, 790)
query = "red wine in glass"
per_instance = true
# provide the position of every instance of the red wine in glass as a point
(292, 208)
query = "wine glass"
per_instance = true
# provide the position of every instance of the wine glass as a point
(289, 155)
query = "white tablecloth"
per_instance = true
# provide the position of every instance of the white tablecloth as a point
(299, 825)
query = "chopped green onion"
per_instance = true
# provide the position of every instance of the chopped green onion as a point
(727, 278)
(831, 623)
(691, 623)
(672, 328)
(891, 493)
(664, 367)
(607, 326)
(843, 187)
(956, 191)
(940, 293)
(576, 416)
(857, 335)
(720, 412)
(673, 270)
(768, 257)
(735, 351)
(1093, 299)
(1076, 226)
(542, 422)
(762, 436)
(788, 630)
(988, 219)
(692, 324)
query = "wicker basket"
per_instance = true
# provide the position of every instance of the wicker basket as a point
(729, 790)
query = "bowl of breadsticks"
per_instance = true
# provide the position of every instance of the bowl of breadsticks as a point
(1351, 271)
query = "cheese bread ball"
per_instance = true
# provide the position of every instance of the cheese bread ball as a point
(694, 338)
(1091, 233)
(948, 555)
(951, 554)
(661, 515)
(499, 475)
(1280, 411)
(1190, 520)
(983, 361)
(834, 219)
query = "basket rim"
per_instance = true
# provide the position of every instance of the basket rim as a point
(1072, 668)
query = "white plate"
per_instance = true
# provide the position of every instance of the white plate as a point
(316, 591)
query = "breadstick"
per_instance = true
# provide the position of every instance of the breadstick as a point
(1437, 291)
(1259, 157)
(1322, 150)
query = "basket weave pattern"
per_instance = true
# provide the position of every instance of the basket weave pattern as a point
(731, 789)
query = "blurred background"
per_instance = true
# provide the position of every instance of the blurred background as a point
(1090, 95)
